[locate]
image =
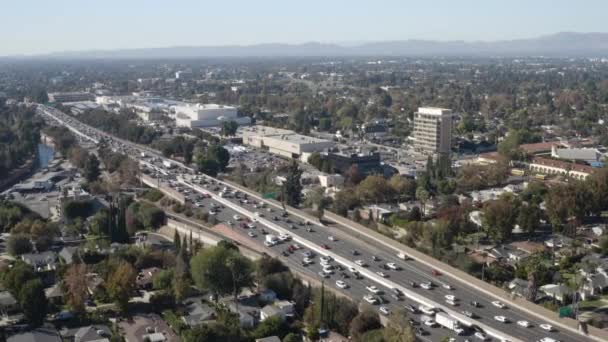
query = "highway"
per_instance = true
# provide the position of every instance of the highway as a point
(341, 248)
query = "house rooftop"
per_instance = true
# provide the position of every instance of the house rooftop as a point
(37, 335)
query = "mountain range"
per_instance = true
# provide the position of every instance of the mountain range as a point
(563, 44)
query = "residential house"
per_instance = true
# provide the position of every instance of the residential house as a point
(41, 262)
(521, 288)
(42, 334)
(8, 303)
(145, 277)
(267, 296)
(198, 312)
(268, 339)
(508, 253)
(67, 254)
(90, 333)
(378, 212)
(597, 279)
(270, 311)
(54, 294)
(146, 327)
(248, 314)
(93, 282)
(557, 291)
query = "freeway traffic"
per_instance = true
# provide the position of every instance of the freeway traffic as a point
(411, 277)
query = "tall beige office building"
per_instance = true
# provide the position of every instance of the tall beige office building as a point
(433, 130)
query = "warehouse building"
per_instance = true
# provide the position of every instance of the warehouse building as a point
(207, 115)
(284, 142)
(70, 97)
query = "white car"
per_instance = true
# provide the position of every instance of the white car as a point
(211, 212)
(451, 302)
(352, 269)
(370, 299)
(548, 339)
(332, 238)
(546, 326)
(392, 266)
(323, 274)
(325, 259)
(198, 204)
(426, 286)
(373, 289)
(258, 214)
(251, 234)
(498, 304)
(307, 261)
(502, 319)
(382, 274)
(524, 324)
(251, 226)
(360, 263)
(384, 310)
(328, 269)
(447, 286)
(341, 284)
(481, 336)
(450, 297)
(430, 323)
(236, 217)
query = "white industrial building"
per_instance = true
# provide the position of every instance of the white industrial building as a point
(284, 142)
(207, 115)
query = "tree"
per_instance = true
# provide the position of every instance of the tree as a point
(292, 185)
(403, 187)
(315, 160)
(566, 202)
(208, 166)
(229, 128)
(33, 302)
(345, 200)
(273, 326)
(375, 189)
(18, 244)
(221, 270)
(76, 286)
(529, 218)
(98, 224)
(16, 276)
(79, 157)
(74, 208)
(121, 284)
(499, 218)
(399, 328)
(177, 241)
(291, 337)
(91, 168)
(364, 321)
(330, 311)
(163, 280)
(422, 195)
(220, 155)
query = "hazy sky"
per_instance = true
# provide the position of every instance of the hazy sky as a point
(39, 26)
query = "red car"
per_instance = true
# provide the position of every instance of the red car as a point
(435, 272)
(325, 246)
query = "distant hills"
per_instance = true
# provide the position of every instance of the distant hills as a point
(564, 44)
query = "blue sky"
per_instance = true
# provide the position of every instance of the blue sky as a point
(39, 26)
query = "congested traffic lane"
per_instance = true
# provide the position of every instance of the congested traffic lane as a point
(356, 287)
(417, 271)
(412, 271)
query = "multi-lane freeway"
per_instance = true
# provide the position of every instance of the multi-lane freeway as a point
(379, 266)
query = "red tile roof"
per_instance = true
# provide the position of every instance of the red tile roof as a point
(563, 165)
